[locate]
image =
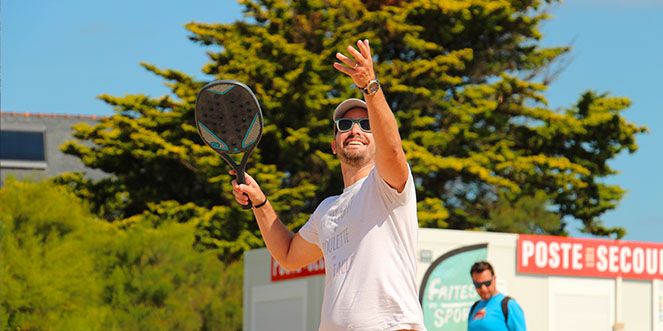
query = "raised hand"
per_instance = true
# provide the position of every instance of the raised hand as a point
(360, 66)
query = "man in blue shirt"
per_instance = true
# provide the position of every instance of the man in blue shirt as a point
(494, 312)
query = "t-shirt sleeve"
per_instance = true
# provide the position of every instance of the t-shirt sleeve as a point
(390, 194)
(516, 320)
(311, 229)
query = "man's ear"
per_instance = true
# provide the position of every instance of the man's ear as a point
(333, 145)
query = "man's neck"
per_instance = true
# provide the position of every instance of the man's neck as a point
(493, 295)
(352, 174)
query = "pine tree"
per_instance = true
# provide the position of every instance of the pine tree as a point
(465, 80)
(529, 214)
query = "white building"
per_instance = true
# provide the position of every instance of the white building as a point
(561, 283)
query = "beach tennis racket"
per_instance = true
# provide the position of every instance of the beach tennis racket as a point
(229, 120)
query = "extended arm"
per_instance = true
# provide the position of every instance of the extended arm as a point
(290, 250)
(389, 156)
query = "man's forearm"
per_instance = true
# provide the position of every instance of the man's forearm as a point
(277, 237)
(389, 156)
(383, 123)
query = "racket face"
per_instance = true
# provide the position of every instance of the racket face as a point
(228, 117)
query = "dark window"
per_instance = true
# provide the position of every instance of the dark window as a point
(22, 145)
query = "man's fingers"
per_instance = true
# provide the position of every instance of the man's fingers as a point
(364, 49)
(369, 55)
(239, 187)
(241, 191)
(241, 198)
(343, 69)
(358, 56)
(248, 179)
(346, 60)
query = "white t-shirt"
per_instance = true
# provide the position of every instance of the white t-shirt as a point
(368, 236)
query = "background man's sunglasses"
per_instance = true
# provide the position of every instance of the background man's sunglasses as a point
(479, 284)
(345, 124)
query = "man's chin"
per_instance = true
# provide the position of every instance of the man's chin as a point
(354, 157)
(353, 153)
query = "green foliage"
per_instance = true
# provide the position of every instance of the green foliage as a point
(63, 269)
(465, 80)
(529, 214)
(45, 268)
(156, 281)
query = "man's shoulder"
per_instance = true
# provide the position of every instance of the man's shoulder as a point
(329, 200)
(326, 203)
(513, 304)
(510, 300)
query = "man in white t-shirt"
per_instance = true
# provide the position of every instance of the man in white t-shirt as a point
(368, 234)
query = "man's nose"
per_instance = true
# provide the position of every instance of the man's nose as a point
(355, 128)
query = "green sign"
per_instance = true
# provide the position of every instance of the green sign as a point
(447, 293)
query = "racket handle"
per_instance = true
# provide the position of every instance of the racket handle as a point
(241, 180)
(248, 205)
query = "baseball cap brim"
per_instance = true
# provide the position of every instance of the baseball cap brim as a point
(346, 105)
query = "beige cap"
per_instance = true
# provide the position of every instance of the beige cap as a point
(346, 105)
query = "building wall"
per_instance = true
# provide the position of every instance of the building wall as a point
(57, 130)
(537, 293)
(284, 305)
(549, 302)
(635, 296)
(530, 292)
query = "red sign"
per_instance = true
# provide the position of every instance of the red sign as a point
(280, 273)
(566, 256)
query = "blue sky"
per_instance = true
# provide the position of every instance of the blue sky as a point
(57, 56)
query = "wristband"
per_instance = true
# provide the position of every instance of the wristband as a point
(260, 204)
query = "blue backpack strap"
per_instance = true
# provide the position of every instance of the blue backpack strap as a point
(505, 307)
(472, 309)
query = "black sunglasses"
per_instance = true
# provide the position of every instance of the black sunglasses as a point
(345, 124)
(479, 284)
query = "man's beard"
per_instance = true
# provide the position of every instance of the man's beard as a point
(355, 158)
